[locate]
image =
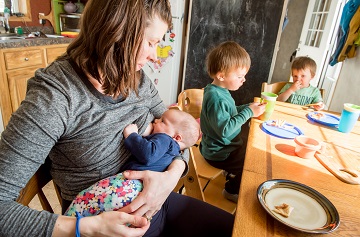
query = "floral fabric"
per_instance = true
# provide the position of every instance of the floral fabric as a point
(109, 194)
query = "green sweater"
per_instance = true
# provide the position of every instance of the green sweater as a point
(221, 122)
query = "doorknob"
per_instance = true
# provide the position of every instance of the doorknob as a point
(293, 55)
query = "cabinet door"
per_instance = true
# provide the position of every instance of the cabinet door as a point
(53, 53)
(17, 82)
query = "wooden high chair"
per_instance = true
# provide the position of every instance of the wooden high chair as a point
(197, 181)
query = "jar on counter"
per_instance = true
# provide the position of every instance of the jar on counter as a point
(19, 30)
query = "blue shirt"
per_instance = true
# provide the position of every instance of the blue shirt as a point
(154, 152)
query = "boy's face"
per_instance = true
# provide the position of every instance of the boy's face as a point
(165, 124)
(302, 75)
(232, 80)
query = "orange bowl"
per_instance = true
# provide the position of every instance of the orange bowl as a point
(306, 146)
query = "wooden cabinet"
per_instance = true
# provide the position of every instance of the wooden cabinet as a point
(17, 66)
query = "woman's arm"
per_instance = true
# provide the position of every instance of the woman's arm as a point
(114, 223)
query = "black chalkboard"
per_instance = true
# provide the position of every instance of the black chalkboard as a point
(252, 23)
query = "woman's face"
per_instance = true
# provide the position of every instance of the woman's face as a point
(153, 35)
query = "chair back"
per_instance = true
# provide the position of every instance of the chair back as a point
(274, 87)
(277, 86)
(190, 101)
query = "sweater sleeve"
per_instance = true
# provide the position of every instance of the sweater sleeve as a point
(24, 146)
(228, 126)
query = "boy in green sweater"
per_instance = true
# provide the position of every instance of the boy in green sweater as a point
(221, 119)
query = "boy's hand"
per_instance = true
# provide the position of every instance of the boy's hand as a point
(319, 106)
(295, 86)
(130, 129)
(257, 108)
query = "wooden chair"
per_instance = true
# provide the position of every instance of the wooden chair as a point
(34, 187)
(197, 181)
(274, 87)
(277, 86)
(190, 101)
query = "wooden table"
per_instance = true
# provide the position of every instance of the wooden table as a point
(269, 157)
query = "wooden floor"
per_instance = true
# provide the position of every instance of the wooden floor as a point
(213, 195)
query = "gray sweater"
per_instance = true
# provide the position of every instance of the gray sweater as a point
(65, 118)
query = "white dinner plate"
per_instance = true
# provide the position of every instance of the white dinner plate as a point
(312, 213)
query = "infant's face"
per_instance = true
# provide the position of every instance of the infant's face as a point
(165, 124)
(303, 76)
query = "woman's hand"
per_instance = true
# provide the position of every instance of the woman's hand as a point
(157, 187)
(112, 223)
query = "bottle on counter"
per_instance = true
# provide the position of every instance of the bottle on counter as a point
(6, 19)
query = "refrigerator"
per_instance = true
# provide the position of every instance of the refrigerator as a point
(165, 71)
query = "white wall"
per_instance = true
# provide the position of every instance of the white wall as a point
(347, 88)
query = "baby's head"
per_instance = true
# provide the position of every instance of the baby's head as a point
(228, 64)
(303, 69)
(179, 125)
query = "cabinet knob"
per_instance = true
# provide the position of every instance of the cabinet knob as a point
(26, 59)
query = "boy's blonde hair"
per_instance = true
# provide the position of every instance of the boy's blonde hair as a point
(302, 63)
(225, 57)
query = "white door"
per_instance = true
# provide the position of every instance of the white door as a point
(320, 26)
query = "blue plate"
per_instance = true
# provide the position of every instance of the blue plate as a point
(288, 131)
(327, 119)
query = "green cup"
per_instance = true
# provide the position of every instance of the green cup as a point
(270, 99)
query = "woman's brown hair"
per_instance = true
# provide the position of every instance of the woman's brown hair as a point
(110, 39)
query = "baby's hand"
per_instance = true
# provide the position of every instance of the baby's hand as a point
(130, 129)
(257, 108)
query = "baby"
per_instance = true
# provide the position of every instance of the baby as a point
(173, 132)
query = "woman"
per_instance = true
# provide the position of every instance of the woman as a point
(74, 114)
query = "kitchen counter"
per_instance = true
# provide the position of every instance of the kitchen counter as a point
(17, 43)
